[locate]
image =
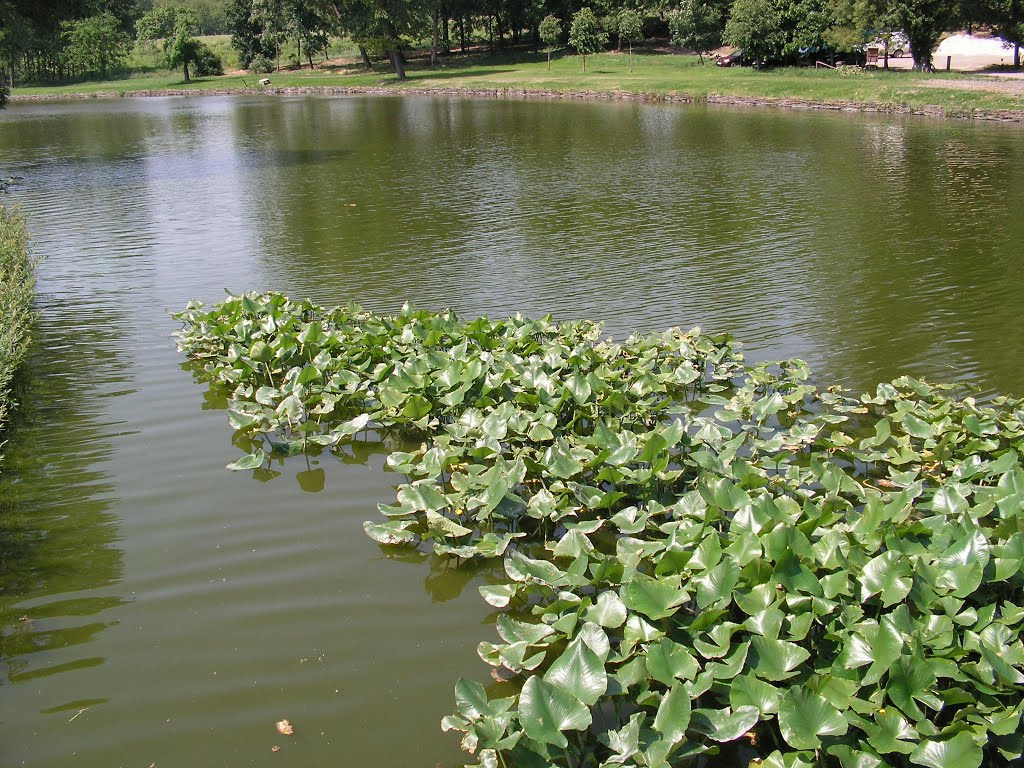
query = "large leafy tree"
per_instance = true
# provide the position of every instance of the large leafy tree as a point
(176, 27)
(1007, 20)
(381, 25)
(696, 25)
(247, 33)
(757, 27)
(923, 22)
(96, 45)
(586, 35)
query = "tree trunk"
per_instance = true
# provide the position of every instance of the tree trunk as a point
(436, 39)
(396, 60)
(366, 57)
(1016, 55)
(186, 71)
(446, 43)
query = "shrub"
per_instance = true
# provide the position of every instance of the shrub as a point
(206, 61)
(261, 65)
(16, 293)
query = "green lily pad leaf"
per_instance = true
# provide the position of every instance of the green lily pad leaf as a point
(446, 526)
(580, 672)
(391, 532)
(624, 742)
(261, 352)
(578, 387)
(910, 678)
(726, 495)
(416, 407)
(638, 631)
(854, 758)
(893, 734)
(673, 716)
(961, 751)
(596, 639)
(546, 710)
(804, 717)
(498, 595)
(722, 725)
(422, 496)
(889, 574)
(519, 567)
(917, 427)
(748, 691)
(560, 462)
(654, 598)
(609, 611)
(253, 461)
(471, 699)
(776, 659)
(514, 631)
(668, 661)
(790, 760)
(573, 544)
(717, 584)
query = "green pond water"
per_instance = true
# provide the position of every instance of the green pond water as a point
(156, 609)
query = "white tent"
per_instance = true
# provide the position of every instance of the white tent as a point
(968, 45)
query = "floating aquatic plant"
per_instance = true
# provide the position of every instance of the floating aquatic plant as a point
(698, 551)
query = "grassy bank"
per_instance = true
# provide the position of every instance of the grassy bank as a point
(654, 75)
(16, 292)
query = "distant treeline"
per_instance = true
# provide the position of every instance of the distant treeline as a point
(58, 39)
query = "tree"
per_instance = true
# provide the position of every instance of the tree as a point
(696, 25)
(756, 26)
(1007, 20)
(176, 27)
(246, 33)
(380, 25)
(631, 29)
(96, 45)
(550, 34)
(924, 21)
(586, 35)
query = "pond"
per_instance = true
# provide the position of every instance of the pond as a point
(156, 609)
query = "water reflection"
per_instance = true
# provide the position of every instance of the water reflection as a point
(58, 536)
(862, 245)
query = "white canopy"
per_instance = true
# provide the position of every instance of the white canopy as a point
(968, 45)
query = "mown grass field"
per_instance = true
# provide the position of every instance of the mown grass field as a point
(651, 73)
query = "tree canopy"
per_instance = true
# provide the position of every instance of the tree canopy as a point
(64, 38)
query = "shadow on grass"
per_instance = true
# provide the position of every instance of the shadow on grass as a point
(1002, 69)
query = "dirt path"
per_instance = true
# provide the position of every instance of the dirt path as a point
(1010, 83)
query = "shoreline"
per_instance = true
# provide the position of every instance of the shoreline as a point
(1001, 115)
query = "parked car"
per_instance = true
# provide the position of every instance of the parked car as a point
(899, 45)
(734, 59)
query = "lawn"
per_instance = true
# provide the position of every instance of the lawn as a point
(651, 74)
